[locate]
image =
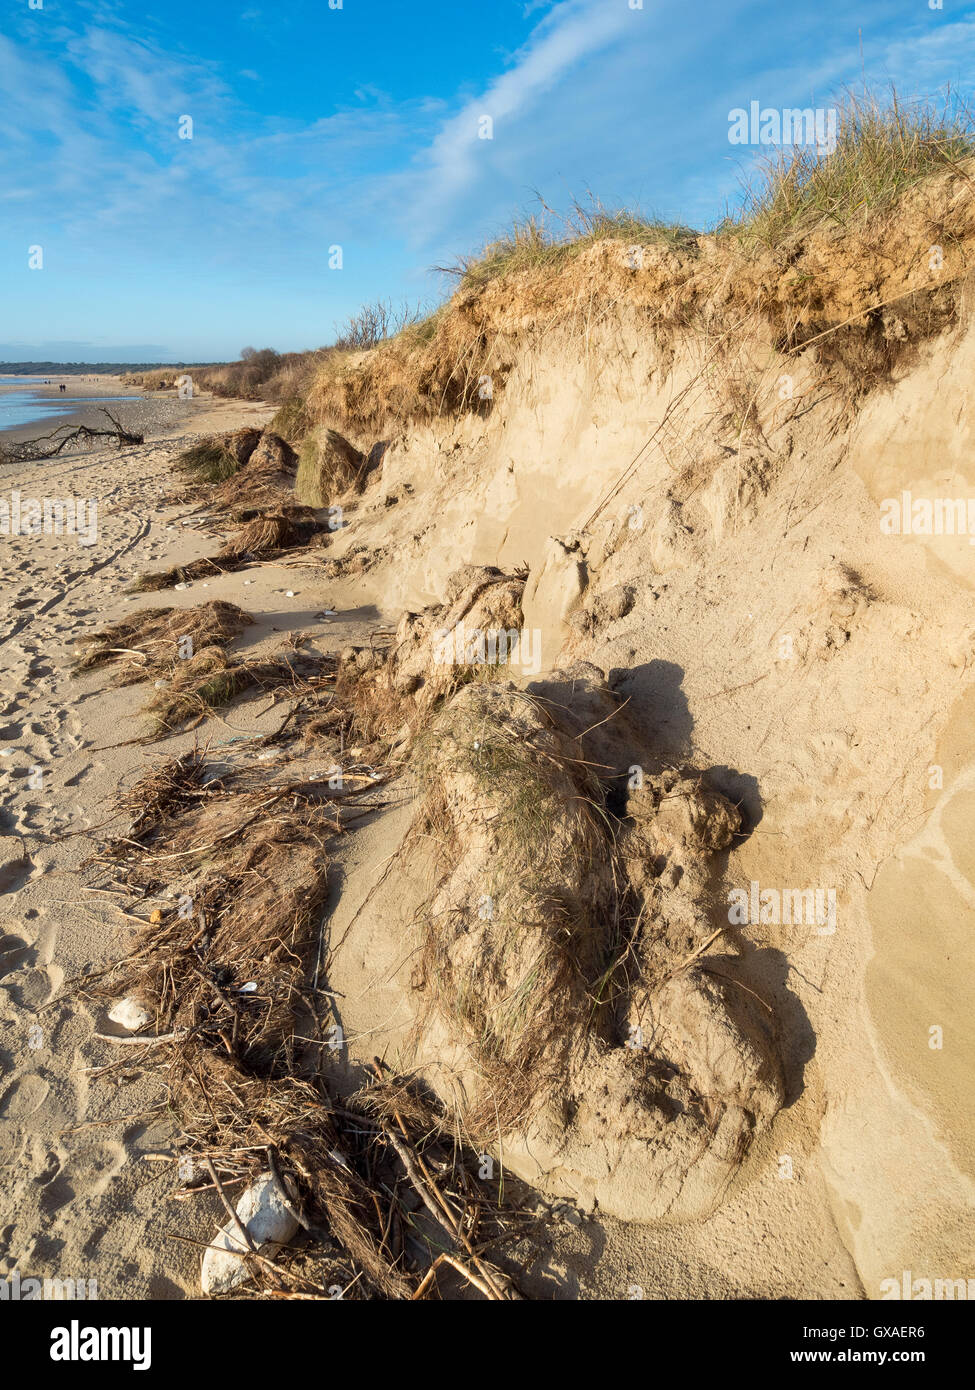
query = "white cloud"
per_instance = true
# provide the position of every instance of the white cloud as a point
(571, 32)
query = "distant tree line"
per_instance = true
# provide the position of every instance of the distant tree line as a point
(86, 368)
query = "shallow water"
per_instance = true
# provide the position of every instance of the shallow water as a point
(22, 407)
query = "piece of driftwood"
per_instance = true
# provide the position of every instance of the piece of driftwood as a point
(49, 446)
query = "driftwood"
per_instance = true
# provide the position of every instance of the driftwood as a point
(49, 446)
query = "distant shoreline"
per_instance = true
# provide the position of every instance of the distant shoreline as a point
(144, 413)
(83, 369)
(95, 388)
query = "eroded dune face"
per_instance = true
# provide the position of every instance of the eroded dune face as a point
(557, 997)
(744, 600)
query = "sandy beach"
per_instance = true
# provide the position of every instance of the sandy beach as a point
(78, 1192)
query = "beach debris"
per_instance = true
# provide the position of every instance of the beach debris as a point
(263, 1222)
(248, 487)
(234, 985)
(154, 640)
(128, 1013)
(49, 446)
(210, 679)
(217, 457)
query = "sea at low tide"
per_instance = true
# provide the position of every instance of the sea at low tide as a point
(27, 405)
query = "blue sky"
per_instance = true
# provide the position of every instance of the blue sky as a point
(357, 126)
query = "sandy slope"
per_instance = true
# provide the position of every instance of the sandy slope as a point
(816, 668)
(81, 1196)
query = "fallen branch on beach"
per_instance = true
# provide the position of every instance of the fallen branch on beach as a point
(49, 446)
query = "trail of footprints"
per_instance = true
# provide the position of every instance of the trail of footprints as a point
(48, 1175)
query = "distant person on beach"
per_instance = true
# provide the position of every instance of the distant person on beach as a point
(61, 387)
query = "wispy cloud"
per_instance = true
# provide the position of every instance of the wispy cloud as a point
(570, 33)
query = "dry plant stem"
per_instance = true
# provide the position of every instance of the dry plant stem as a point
(699, 951)
(447, 1217)
(230, 1208)
(409, 1163)
(446, 1258)
(149, 1040)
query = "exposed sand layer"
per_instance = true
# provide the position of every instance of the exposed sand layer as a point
(739, 589)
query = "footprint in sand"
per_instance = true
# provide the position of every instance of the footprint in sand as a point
(33, 987)
(16, 867)
(15, 953)
(23, 1097)
(94, 1165)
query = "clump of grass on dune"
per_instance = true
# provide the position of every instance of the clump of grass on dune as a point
(550, 238)
(423, 331)
(883, 147)
(291, 419)
(514, 813)
(208, 462)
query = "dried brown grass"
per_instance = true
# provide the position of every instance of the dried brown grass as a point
(519, 823)
(224, 971)
(152, 640)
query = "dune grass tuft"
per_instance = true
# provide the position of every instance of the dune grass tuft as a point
(883, 147)
(549, 238)
(208, 461)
